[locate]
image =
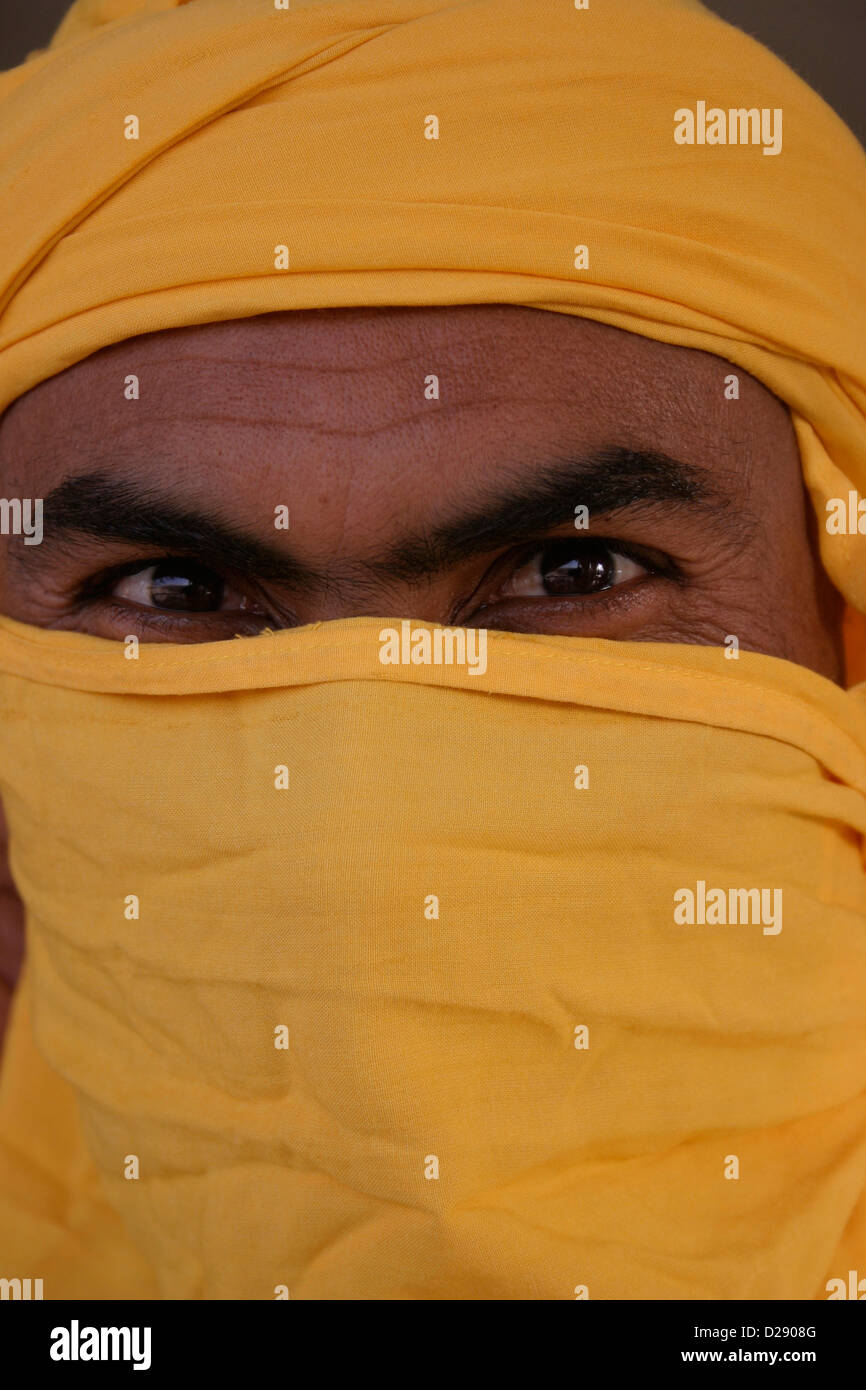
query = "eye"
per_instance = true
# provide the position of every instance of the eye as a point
(180, 585)
(568, 567)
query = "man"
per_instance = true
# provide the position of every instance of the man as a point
(459, 511)
(371, 960)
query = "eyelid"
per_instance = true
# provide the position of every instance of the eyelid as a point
(97, 589)
(655, 561)
(658, 564)
(99, 585)
(164, 622)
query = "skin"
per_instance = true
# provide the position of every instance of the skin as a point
(325, 412)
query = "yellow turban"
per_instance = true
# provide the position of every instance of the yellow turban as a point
(433, 152)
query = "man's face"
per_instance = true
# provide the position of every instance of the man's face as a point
(459, 509)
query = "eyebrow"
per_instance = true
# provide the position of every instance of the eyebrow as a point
(611, 480)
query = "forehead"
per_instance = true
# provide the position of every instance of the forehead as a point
(389, 396)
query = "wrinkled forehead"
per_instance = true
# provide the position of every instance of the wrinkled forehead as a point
(399, 392)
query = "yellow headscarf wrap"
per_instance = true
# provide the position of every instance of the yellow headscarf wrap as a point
(305, 128)
(351, 980)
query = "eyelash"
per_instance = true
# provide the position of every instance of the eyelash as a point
(158, 619)
(96, 588)
(656, 563)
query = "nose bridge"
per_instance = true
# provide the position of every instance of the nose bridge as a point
(365, 594)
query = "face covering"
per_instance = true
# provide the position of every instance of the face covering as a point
(352, 980)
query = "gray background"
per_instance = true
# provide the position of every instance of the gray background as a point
(823, 40)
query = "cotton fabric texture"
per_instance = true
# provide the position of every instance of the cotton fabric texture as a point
(412, 1038)
(435, 1128)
